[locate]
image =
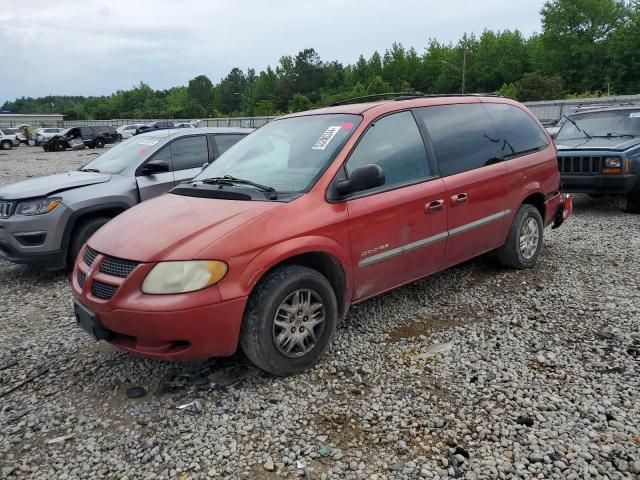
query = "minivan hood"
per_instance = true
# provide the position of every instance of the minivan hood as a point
(174, 227)
(598, 143)
(43, 186)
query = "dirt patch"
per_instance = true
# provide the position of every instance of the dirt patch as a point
(425, 326)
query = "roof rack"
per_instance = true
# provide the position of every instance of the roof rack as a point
(399, 96)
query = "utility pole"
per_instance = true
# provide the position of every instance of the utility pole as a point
(464, 70)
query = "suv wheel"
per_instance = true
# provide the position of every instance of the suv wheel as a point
(98, 143)
(6, 145)
(81, 233)
(289, 320)
(633, 200)
(59, 146)
(523, 245)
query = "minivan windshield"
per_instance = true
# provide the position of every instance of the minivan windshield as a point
(119, 157)
(288, 155)
(610, 124)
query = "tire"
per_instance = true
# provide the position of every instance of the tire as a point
(515, 255)
(59, 146)
(6, 145)
(276, 294)
(98, 143)
(118, 138)
(596, 195)
(633, 200)
(81, 233)
(45, 148)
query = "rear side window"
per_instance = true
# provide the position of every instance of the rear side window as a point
(519, 133)
(189, 152)
(393, 142)
(463, 136)
(225, 142)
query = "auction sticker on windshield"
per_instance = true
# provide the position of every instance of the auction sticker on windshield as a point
(325, 138)
(634, 115)
(147, 142)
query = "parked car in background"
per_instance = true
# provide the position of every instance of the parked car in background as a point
(21, 134)
(599, 153)
(8, 139)
(159, 125)
(127, 131)
(184, 125)
(77, 137)
(270, 245)
(42, 134)
(110, 133)
(46, 220)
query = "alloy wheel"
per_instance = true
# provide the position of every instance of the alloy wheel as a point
(529, 238)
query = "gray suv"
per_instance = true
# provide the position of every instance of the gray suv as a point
(46, 220)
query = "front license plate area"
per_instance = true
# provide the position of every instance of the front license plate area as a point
(89, 322)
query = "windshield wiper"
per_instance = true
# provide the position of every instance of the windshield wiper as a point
(615, 135)
(94, 170)
(229, 180)
(578, 127)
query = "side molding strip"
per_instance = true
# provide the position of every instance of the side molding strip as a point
(381, 257)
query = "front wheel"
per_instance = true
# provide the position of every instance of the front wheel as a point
(523, 245)
(99, 143)
(81, 234)
(6, 145)
(289, 320)
(60, 146)
(633, 200)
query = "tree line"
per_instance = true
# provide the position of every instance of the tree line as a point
(585, 48)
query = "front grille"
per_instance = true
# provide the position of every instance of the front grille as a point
(103, 291)
(90, 255)
(5, 209)
(584, 165)
(117, 267)
(81, 279)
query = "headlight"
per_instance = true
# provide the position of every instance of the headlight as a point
(182, 277)
(37, 207)
(613, 162)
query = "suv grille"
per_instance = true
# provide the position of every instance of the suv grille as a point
(117, 267)
(81, 279)
(5, 209)
(580, 164)
(90, 255)
(103, 290)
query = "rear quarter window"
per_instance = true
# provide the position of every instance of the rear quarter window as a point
(463, 136)
(519, 133)
(225, 142)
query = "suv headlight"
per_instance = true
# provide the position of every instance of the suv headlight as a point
(181, 277)
(613, 162)
(37, 207)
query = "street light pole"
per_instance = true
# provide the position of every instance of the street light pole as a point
(462, 70)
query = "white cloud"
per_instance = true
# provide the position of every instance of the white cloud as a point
(89, 47)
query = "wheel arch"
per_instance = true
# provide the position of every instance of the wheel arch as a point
(107, 210)
(321, 254)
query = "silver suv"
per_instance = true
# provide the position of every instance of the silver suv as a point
(46, 220)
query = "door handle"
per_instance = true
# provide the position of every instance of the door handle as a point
(459, 198)
(434, 206)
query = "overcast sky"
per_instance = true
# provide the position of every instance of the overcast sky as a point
(90, 47)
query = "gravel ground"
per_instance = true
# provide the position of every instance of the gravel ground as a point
(477, 372)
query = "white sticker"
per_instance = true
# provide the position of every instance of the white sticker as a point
(147, 142)
(326, 138)
(634, 115)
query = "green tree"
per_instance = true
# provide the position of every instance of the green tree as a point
(533, 87)
(200, 92)
(299, 103)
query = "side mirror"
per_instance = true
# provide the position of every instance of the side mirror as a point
(362, 178)
(154, 166)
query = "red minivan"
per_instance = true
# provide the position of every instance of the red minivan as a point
(269, 246)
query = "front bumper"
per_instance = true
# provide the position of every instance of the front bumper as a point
(190, 326)
(599, 183)
(35, 240)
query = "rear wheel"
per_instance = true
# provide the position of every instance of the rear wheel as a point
(81, 234)
(98, 143)
(523, 245)
(289, 320)
(6, 145)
